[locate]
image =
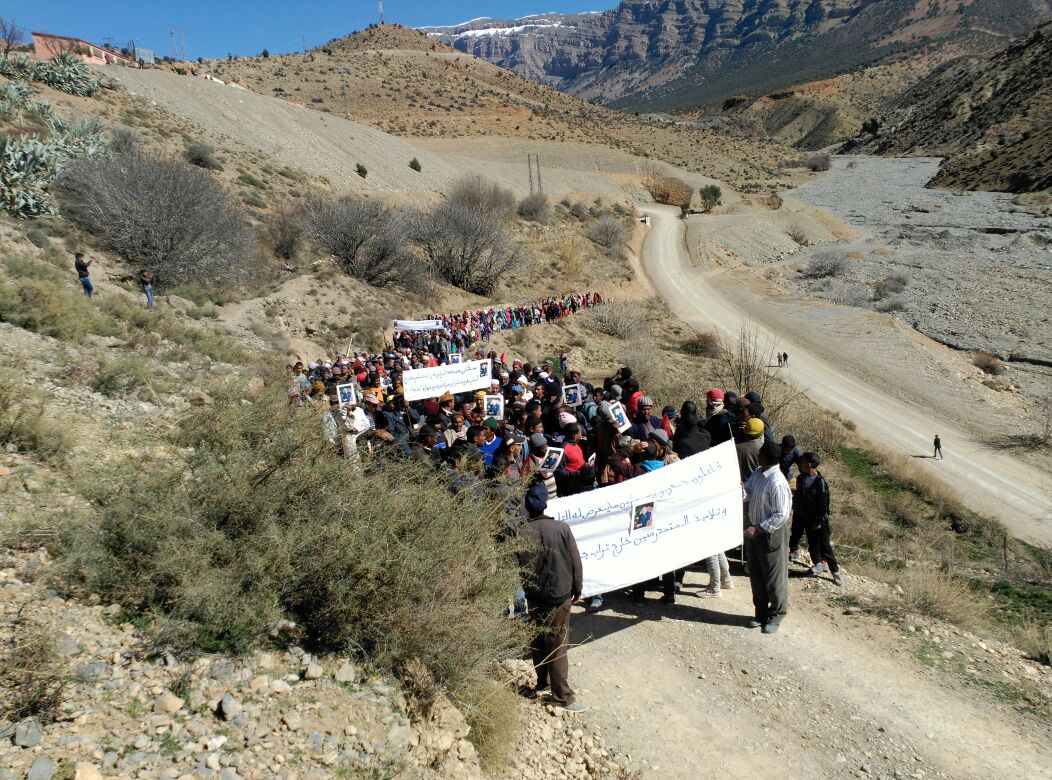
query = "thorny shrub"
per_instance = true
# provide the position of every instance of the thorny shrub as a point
(259, 521)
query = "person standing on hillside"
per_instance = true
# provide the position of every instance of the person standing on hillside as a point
(147, 280)
(938, 448)
(553, 581)
(82, 265)
(768, 504)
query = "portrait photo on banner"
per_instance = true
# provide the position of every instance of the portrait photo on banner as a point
(573, 395)
(495, 406)
(642, 516)
(620, 415)
(455, 358)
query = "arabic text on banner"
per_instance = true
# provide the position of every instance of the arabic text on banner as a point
(456, 378)
(418, 325)
(657, 522)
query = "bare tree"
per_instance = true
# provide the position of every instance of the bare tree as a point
(744, 364)
(609, 233)
(160, 213)
(468, 247)
(284, 231)
(475, 192)
(364, 236)
(11, 36)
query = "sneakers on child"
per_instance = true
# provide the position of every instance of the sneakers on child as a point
(838, 579)
(727, 584)
(795, 557)
(819, 568)
(708, 593)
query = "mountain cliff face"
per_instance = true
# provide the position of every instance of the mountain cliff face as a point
(990, 117)
(675, 54)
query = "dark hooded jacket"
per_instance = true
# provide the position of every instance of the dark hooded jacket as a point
(551, 562)
(690, 437)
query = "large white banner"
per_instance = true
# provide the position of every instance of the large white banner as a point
(657, 522)
(456, 378)
(418, 324)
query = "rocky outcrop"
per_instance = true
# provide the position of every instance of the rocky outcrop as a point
(675, 54)
(990, 117)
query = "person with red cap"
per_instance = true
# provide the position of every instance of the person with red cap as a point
(718, 421)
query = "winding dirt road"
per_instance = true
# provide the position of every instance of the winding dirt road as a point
(990, 482)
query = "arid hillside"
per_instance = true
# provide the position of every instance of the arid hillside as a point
(990, 117)
(401, 82)
(816, 114)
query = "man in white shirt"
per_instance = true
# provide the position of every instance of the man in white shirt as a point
(768, 506)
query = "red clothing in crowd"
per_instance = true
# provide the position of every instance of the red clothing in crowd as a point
(573, 457)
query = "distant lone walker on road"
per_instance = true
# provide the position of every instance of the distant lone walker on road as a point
(938, 448)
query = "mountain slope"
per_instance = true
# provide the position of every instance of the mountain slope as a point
(675, 54)
(990, 117)
(399, 81)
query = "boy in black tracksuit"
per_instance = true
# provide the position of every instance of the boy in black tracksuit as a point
(811, 512)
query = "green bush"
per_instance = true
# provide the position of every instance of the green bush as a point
(711, 195)
(262, 522)
(415, 165)
(361, 170)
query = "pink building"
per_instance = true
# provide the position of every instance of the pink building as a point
(47, 47)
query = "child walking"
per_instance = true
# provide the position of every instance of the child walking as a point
(811, 510)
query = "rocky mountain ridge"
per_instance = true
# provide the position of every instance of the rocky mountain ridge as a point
(990, 117)
(675, 54)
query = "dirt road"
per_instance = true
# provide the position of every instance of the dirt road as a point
(988, 481)
(688, 691)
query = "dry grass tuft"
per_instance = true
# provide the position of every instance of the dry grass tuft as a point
(32, 680)
(936, 594)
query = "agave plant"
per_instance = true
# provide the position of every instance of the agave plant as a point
(67, 74)
(13, 96)
(15, 67)
(26, 167)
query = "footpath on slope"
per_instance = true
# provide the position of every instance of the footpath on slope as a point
(990, 482)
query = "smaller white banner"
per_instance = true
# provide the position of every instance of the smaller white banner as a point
(418, 324)
(456, 378)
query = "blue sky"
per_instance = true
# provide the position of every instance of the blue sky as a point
(212, 29)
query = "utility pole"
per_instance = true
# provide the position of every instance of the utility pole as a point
(380, 6)
(529, 164)
(303, 43)
(537, 162)
(175, 50)
(182, 40)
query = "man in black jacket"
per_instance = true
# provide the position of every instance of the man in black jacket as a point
(552, 579)
(811, 508)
